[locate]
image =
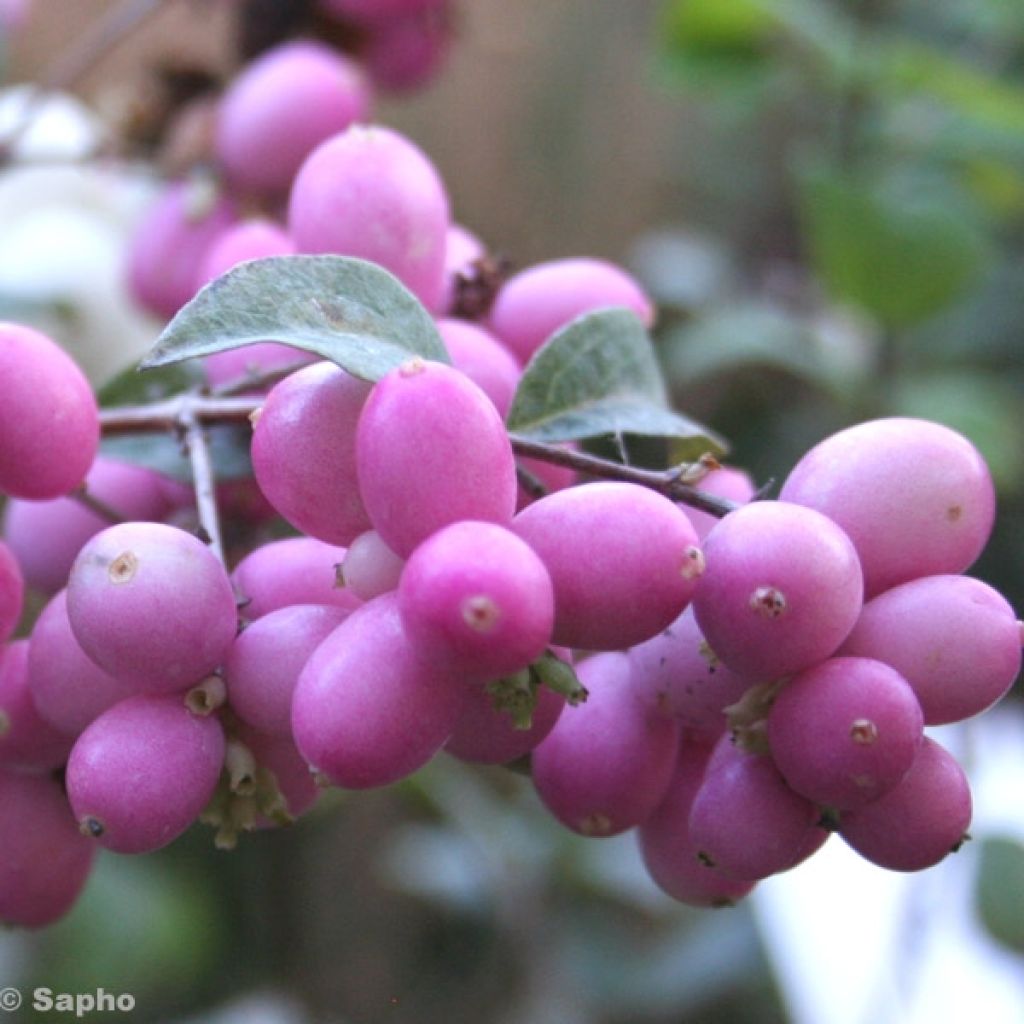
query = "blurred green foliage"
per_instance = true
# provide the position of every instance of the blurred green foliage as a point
(867, 216)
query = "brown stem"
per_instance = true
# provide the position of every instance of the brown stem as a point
(97, 505)
(170, 415)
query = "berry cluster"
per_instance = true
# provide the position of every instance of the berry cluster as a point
(744, 687)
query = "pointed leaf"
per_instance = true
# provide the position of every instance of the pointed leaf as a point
(599, 375)
(349, 311)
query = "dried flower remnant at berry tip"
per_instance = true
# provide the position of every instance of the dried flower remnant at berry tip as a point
(863, 731)
(123, 568)
(769, 602)
(693, 563)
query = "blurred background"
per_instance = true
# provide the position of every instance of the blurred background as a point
(826, 199)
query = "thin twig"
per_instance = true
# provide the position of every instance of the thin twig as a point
(168, 415)
(97, 505)
(203, 479)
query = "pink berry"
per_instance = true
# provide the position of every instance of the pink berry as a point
(265, 661)
(46, 536)
(845, 731)
(955, 640)
(915, 497)
(169, 243)
(296, 570)
(734, 484)
(485, 735)
(304, 452)
(49, 423)
(282, 105)
(431, 450)
(12, 592)
(668, 851)
(746, 822)
(923, 818)
(615, 584)
(538, 301)
(152, 605)
(482, 358)
(781, 592)
(677, 674)
(369, 192)
(68, 688)
(367, 711)
(27, 741)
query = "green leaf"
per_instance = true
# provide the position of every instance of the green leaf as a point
(828, 353)
(349, 311)
(732, 43)
(228, 445)
(129, 387)
(1000, 890)
(599, 375)
(901, 247)
(982, 405)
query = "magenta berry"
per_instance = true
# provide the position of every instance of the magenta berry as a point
(12, 592)
(169, 243)
(296, 570)
(746, 822)
(266, 658)
(142, 772)
(669, 854)
(475, 597)
(49, 424)
(923, 818)
(846, 731)
(46, 536)
(486, 735)
(46, 860)
(607, 763)
(367, 710)
(68, 688)
(677, 674)
(482, 358)
(27, 741)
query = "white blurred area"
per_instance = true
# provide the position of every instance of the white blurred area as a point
(64, 224)
(851, 943)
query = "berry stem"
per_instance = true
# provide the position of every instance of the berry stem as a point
(176, 413)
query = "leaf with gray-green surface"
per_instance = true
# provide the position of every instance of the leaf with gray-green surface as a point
(347, 310)
(599, 375)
